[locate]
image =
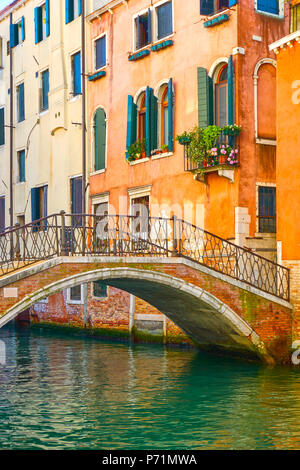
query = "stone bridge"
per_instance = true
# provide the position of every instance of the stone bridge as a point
(221, 295)
(215, 310)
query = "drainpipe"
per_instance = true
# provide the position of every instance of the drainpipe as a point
(11, 203)
(83, 107)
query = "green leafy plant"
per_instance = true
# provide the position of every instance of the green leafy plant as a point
(232, 129)
(205, 146)
(136, 150)
(184, 138)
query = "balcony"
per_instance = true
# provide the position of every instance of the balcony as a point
(222, 156)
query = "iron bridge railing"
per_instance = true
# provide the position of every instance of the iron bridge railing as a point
(123, 235)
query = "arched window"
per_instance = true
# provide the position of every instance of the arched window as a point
(265, 97)
(142, 117)
(100, 139)
(221, 97)
(165, 117)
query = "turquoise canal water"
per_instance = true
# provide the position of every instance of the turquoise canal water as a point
(59, 391)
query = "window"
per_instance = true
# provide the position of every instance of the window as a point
(2, 214)
(17, 33)
(21, 166)
(2, 126)
(221, 97)
(73, 10)
(21, 220)
(99, 289)
(295, 18)
(265, 103)
(100, 52)
(143, 28)
(20, 103)
(164, 18)
(75, 295)
(165, 118)
(76, 200)
(39, 206)
(140, 210)
(266, 209)
(100, 139)
(210, 7)
(142, 117)
(101, 226)
(149, 114)
(76, 73)
(42, 21)
(268, 6)
(45, 91)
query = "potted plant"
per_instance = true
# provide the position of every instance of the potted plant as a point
(164, 148)
(184, 138)
(137, 150)
(231, 130)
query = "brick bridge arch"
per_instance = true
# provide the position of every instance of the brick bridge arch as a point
(216, 311)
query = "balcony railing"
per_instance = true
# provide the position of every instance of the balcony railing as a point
(294, 18)
(226, 153)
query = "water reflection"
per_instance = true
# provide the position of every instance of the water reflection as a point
(62, 392)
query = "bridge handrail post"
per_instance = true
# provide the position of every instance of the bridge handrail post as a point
(175, 240)
(63, 234)
(56, 235)
(17, 250)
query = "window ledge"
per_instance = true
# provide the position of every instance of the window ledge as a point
(75, 98)
(20, 183)
(279, 16)
(216, 20)
(162, 155)
(98, 172)
(75, 302)
(162, 44)
(45, 111)
(139, 55)
(137, 162)
(266, 141)
(97, 75)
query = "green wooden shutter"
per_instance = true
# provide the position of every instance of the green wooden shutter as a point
(232, 3)
(79, 7)
(170, 117)
(47, 18)
(23, 28)
(230, 91)
(100, 139)
(154, 123)
(149, 94)
(2, 128)
(149, 21)
(13, 35)
(205, 99)
(38, 24)
(35, 206)
(131, 122)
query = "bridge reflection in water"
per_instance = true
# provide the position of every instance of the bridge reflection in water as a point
(62, 392)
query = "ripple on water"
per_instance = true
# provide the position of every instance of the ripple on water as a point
(63, 392)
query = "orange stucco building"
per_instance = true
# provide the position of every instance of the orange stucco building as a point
(155, 70)
(230, 49)
(287, 50)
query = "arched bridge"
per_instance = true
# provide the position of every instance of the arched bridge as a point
(223, 296)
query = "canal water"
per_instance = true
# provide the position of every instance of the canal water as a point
(60, 391)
